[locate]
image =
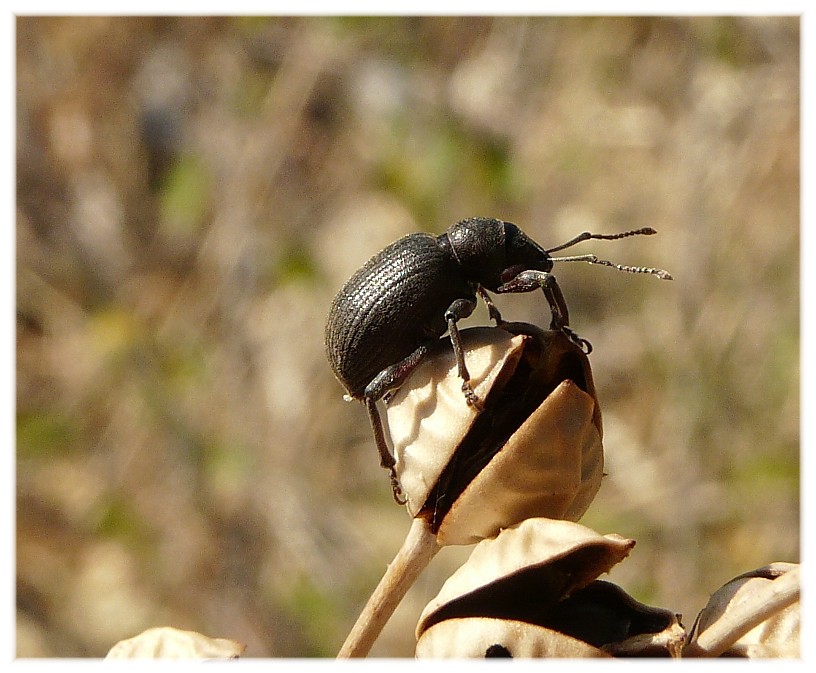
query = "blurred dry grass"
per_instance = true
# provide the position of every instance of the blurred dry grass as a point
(192, 191)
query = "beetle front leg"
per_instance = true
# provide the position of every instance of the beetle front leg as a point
(558, 305)
(461, 308)
(560, 315)
(533, 279)
(528, 281)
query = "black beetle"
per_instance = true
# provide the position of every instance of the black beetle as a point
(390, 313)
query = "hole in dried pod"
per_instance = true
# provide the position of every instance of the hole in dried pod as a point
(497, 651)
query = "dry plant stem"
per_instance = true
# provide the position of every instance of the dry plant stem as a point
(721, 635)
(416, 552)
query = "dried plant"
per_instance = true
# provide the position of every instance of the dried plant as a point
(192, 191)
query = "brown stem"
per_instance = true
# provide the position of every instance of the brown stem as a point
(413, 557)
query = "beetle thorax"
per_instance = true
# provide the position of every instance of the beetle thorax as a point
(478, 245)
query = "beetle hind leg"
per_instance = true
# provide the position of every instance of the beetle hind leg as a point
(386, 459)
(380, 387)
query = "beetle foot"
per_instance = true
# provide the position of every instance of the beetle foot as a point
(396, 488)
(494, 314)
(471, 397)
(583, 344)
(498, 319)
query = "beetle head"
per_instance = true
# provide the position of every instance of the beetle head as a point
(492, 252)
(522, 253)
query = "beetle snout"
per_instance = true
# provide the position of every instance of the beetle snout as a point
(543, 264)
(511, 272)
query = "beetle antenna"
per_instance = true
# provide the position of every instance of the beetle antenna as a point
(592, 259)
(585, 236)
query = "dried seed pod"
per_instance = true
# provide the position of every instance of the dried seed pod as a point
(532, 592)
(428, 416)
(534, 450)
(486, 637)
(565, 556)
(166, 642)
(755, 615)
(600, 620)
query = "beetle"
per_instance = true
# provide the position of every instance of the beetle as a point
(390, 313)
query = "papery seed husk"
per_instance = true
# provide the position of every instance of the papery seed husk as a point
(599, 620)
(550, 467)
(167, 642)
(575, 554)
(472, 638)
(776, 636)
(424, 441)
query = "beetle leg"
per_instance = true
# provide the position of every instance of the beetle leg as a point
(388, 379)
(530, 280)
(533, 279)
(393, 376)
(558, 305)
(386, 459)
(527, 281)
(492, 309)
(461, 308)
(560, 315)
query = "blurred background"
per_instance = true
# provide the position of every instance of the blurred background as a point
(191, 192)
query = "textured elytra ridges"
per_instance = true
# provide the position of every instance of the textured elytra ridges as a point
(395, 302)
